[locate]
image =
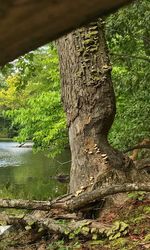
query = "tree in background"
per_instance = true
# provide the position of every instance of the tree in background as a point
(32, 99)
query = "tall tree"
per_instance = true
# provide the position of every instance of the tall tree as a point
(89, 102)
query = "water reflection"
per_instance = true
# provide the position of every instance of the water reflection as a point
(12, 155)
(24, 174)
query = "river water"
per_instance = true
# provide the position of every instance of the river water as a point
(26, 175)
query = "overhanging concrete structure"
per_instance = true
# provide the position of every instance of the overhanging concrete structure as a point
(28, 24)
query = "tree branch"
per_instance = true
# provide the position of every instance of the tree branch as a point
(131, 56)
(147, 146)
(25, 204)
(85, 199)
(73, 203)
(143, 164)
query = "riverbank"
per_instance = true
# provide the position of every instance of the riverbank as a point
(25, 144)
(5, 139)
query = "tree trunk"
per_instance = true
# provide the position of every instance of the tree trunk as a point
(89, 103)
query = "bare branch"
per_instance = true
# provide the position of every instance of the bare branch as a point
(147, 146)
(143, 164)
(122, 56)
(25, 204)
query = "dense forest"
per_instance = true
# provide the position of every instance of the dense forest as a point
(89, 89)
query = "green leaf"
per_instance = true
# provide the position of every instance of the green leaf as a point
(94, 237)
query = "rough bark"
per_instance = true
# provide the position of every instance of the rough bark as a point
(25, 204)
(28, 24)
(89, 102)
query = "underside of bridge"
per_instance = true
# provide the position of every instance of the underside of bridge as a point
(27, 24)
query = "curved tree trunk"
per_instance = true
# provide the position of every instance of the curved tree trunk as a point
(89, 102)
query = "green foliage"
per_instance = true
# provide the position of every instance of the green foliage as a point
(147, 238)
(127, 33)
(97, 242)
(32, 100)
(119, 229)
(120, 243)
(82, 229)
(42, 121)
(61, 245)
(140, 196)
(147, 209)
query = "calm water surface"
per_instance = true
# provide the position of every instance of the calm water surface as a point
(26, 175)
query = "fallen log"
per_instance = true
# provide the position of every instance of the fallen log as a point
(82, 227)
(72, 202)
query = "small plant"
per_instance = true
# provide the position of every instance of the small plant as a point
(119, 229)
(61, 245)
(140, 196)
(147, 238)
(146, 209)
